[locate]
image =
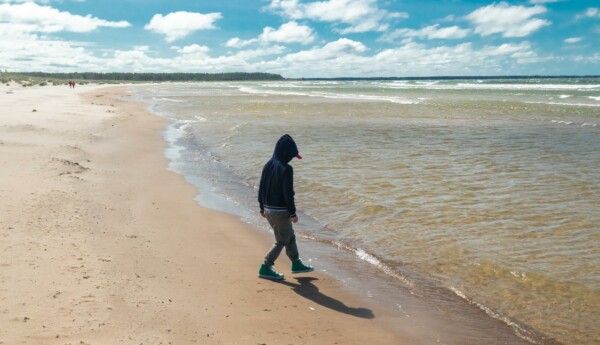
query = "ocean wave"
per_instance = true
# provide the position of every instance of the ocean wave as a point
(171, 135)
(567, 104)
(383, 267)
(584, 124)
(428, 82)
(483, 86)
(167, 100)
(562, 122)
(362, 97)
(283, 85)
(530, 86)
(370, 259)
(251, 90)
(354, 97)
(520, 330)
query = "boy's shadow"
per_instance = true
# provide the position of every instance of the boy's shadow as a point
(308, 290)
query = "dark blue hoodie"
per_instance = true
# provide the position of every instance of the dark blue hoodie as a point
(276, 189)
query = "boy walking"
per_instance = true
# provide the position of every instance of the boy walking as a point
(276, 201)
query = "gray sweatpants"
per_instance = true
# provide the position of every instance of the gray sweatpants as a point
(284, 236)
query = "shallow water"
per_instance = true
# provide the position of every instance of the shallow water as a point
(488, 189)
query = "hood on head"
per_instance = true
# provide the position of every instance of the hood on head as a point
(286, 149)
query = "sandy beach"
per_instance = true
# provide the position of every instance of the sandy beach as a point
(101, 244)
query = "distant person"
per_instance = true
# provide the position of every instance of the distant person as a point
(70, 84)
(276, 201)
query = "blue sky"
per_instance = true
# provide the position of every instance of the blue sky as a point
(303, 38)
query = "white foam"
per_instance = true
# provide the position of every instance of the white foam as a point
(255, 91)
(428, 82)
(483, 86)
(167, 99)
(355, 97)
(367, 98)
(282, 85)
(595, 98)
(519, 330)
(569, 104)
(585, 124)
(529, 86)
(171, 134)
(385, 268)
(562, 122)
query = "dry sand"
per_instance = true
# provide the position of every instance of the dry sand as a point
(101, 244)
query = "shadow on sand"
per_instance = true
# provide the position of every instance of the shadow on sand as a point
(310, 291)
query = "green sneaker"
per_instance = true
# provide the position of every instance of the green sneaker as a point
(267, 272)
(299, 267)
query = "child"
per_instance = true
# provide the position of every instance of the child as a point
(276, 200)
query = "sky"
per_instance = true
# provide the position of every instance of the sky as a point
(303, 38)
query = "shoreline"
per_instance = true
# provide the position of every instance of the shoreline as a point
(385, 288)
(102, 244)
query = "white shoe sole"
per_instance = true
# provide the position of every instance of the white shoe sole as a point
(270, 278)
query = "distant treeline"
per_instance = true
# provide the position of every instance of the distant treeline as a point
(155, 77)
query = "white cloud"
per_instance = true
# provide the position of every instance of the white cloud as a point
(573, 39)
(449, 18)
(510, 21)
(177, 25)
(27, 52)
(331, 50)
(328, 60)
(259, 52)
(22, 1)
(290, 32)
(429, 32)
(357, 15)
(541, 2)
(39, 1)
(236, 42)
(591, 12)
(459, 59)
(30, 17)
(347, 58)
(195, 49)
(193, 58)
(595, 58)
(343, 57)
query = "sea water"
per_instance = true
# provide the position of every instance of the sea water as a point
(488, 190)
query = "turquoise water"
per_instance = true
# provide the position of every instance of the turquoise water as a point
(489, 188)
